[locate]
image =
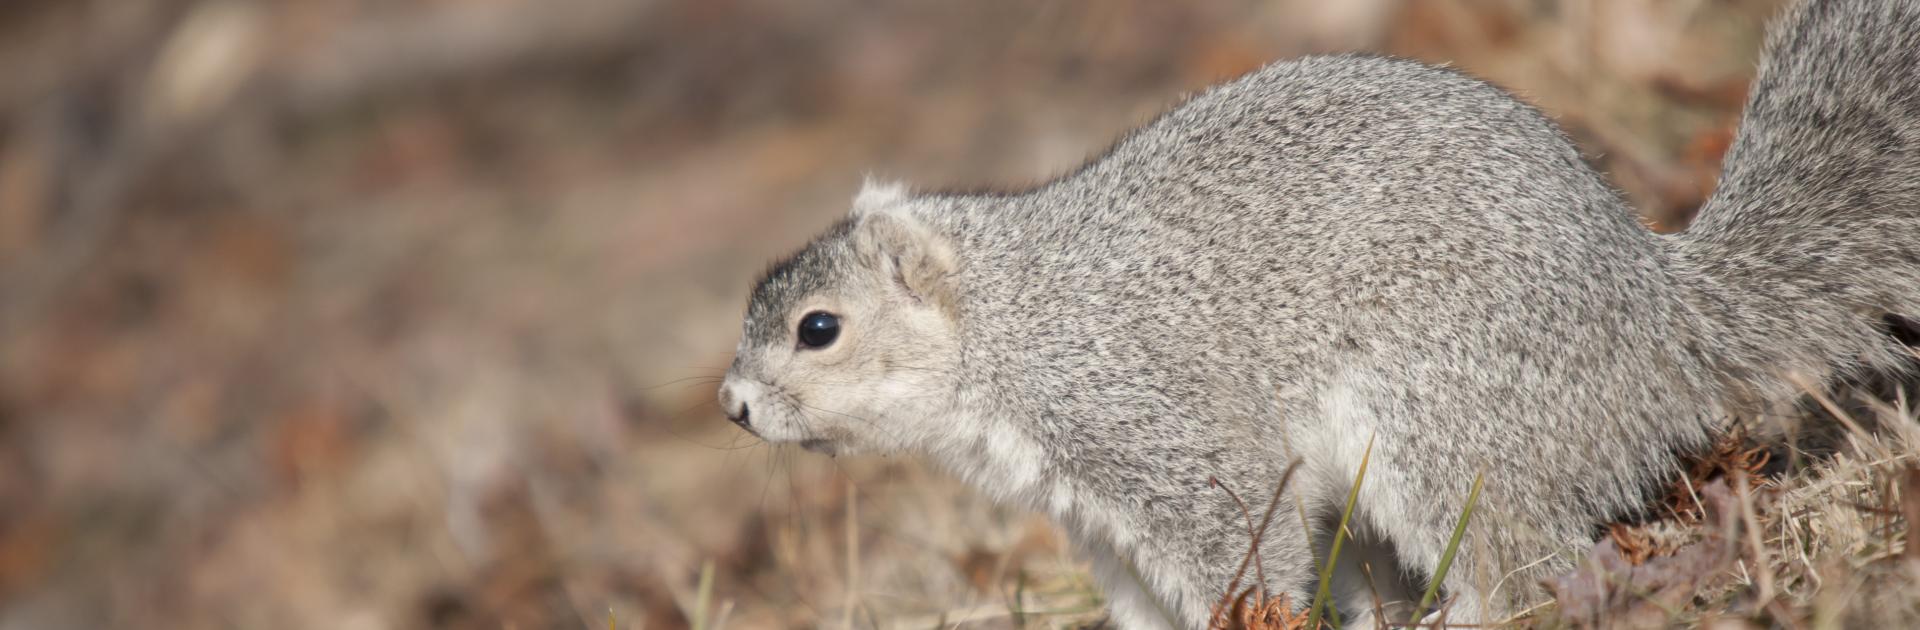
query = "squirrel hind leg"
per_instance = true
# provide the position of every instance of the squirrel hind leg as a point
(1496, 569)
(1370, 583)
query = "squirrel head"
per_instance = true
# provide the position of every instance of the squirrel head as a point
(851, 344)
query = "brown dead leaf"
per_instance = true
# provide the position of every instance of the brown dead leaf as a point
(1251, 611)
(985, 567)
(1610, 590)
(1441, 30)
(1226, 57)
(1708, 147)
(1631, 541)
(1721, 93)
(981, 567)
(24, 197)
(1732, 452)
(309, 440)
(26, 547)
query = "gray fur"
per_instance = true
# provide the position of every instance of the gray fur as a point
(1337, 249)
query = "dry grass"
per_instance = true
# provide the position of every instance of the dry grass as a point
(1815, 535)
(1740, 540)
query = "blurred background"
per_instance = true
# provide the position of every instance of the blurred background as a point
(407, 313)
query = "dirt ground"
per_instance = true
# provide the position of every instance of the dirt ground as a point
(407, 313)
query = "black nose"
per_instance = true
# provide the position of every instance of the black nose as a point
(741, 417)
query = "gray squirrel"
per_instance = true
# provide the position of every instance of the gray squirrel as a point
(1342, 251)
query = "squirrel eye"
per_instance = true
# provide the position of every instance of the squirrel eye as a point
(818, 329)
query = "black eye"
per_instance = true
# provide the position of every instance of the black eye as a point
(819, 329)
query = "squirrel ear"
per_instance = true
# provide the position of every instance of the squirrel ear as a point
(920, 262)
(875, 195)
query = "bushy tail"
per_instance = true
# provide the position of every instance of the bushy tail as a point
(1810, 248)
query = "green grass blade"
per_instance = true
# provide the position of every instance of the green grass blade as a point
(703, 598)
(1446, 558)
(1325, 593)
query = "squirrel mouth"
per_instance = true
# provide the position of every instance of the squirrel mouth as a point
(819, 445)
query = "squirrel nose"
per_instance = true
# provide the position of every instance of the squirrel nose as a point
(734, 405)
(740, 416)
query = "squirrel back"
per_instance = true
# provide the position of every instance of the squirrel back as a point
(1343, 259)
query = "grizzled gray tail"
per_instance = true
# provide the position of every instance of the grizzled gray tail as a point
(1810, 248)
